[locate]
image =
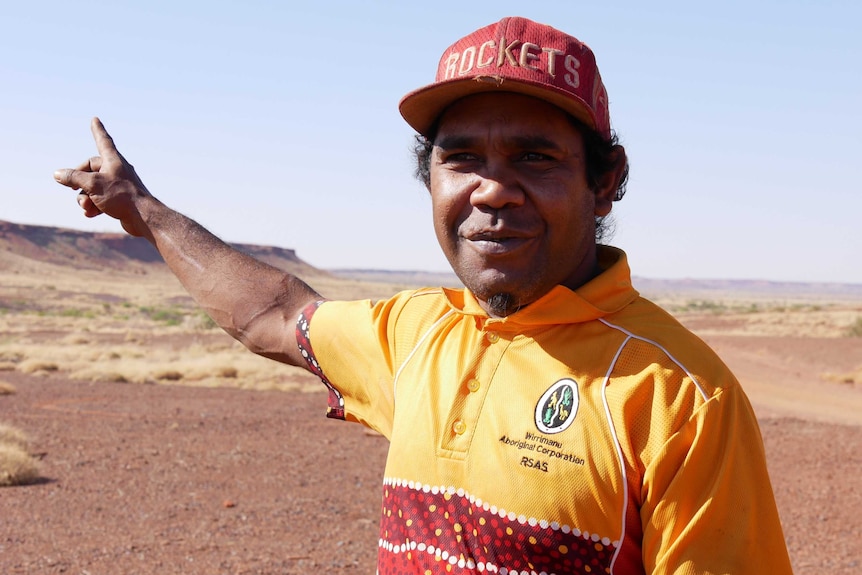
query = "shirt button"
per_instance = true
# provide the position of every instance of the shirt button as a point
(492, 336)
(473, 385)
(459, 427)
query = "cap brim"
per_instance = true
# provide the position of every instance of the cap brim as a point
(421, 108)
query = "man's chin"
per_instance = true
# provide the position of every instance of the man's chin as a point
(502, 304)
(486, 283)
(500, 298)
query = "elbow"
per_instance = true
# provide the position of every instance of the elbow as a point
(266, 325)
(266, 335)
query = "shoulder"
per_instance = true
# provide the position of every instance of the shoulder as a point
(655, 338)
(409, 306)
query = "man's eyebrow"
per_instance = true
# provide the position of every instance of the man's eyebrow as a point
(535, 143)
(457, 141)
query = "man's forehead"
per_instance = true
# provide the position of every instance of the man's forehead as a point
(511, 117)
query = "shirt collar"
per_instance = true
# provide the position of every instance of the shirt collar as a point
(607, 293)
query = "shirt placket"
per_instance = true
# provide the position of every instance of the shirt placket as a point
(472, 389)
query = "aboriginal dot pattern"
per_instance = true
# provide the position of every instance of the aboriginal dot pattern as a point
(427, 529)
(303, 341)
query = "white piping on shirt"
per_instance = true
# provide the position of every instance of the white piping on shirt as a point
(619, 450)
(629, 337)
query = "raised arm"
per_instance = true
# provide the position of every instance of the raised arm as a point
(254, 302)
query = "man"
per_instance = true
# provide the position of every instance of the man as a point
(546, 419)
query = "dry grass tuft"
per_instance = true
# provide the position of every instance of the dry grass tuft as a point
(17, 466)
(851, 378)
(169, 375)
(228, 372)
(7, 388)
(11, 356)
(109, 377)
(13, 436)
(35, 366)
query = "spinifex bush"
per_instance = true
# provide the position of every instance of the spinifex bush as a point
(17, 466)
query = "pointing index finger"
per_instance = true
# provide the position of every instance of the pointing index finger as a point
(104, 142)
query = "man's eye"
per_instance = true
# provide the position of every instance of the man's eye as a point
(456, 157)
(535, 157)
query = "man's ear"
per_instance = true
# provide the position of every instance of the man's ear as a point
(609, 182)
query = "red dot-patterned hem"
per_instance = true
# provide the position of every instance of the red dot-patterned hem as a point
(430, 530)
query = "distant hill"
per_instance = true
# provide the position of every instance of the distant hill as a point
(750, 289)
(29, 245)
(653, 288)
(22, 243)
(408, 277)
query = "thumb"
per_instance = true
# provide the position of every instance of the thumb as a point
(74, 179)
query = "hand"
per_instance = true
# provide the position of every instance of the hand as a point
(108, 184)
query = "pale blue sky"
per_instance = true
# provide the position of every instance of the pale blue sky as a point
(276, 124)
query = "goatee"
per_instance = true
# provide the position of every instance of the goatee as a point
(502, 304)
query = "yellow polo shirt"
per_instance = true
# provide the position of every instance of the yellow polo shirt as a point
(587, 433)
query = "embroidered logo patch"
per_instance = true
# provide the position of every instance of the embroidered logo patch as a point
(557, 407)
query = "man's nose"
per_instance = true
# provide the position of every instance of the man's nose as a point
(498, 188)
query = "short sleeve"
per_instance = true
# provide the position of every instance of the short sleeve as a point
(349, 346)
(708, 505)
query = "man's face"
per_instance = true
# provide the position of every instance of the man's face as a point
(512, 209)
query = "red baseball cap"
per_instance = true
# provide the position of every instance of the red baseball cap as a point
(515, 55)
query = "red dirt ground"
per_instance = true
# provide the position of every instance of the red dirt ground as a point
(158, 479)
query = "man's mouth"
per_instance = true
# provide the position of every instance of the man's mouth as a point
(496, 242)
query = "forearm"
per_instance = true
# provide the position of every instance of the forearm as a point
(254, 302)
